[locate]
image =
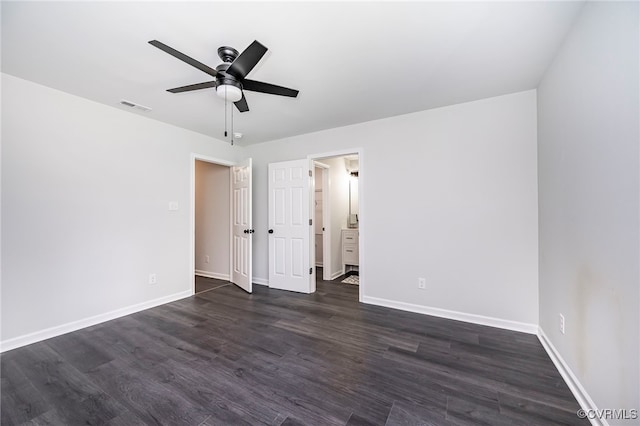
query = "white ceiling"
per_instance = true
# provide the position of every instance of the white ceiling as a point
(352, 62)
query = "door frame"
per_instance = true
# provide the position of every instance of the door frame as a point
(326, 219)
(361, 207)
(192, 216)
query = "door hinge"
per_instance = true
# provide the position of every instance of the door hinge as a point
(310, 222)
(310, 271)
(309, 173)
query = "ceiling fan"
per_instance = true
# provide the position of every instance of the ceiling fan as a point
(230, 75)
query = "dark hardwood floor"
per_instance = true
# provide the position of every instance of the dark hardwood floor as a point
(206, 284)
(225, 357)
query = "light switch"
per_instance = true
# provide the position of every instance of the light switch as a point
(173, 206)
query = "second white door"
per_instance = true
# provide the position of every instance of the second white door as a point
(290, 226)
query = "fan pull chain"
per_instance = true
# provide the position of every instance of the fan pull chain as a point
(232, 125)
(225, 112)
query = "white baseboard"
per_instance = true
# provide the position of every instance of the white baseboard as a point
(217, 276)
(260, 281)
(27, 339)
(335, 275)
(579, 392)
(454, 315)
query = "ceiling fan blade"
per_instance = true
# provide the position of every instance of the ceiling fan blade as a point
(247, 60)
(272, 89)
(205, 85)
(242, 104)
(184, 58)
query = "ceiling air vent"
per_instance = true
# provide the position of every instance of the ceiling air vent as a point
(134, 105)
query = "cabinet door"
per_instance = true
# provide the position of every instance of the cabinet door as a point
(349, 237)
(350, 254)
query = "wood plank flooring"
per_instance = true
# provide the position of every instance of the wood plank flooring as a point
(224, 357)
(206, 284)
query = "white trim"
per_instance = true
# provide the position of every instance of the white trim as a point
(454, 315)
(48, 333)
(336, 275)
(261, 281)
(331, 154)
(207, 159)
(361, 224)
(579, 392)
(215, 275)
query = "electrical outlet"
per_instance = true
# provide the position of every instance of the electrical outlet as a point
(206, 259)
(561, 323)
(153, 279)
(422, 283)
(174, 206)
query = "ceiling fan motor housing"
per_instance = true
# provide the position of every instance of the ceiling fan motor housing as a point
(225, 78)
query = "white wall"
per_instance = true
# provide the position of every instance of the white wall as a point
(589, 207)
(85, 219)
(212, 192)
(449, 194)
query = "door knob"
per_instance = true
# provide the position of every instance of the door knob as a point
(271, 231)
(246, 231)
(251, 231)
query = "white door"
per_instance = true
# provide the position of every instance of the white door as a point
(241, 226)
(289, 226)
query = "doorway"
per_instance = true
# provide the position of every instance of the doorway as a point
(212, 224)
(221, 224)
(339, 215)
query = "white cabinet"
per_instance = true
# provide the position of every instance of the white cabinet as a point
(350, 255)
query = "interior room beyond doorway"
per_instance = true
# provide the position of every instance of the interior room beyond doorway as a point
(336, 216)
(212, 224)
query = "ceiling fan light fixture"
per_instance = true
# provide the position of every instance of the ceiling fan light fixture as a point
(229, 92)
